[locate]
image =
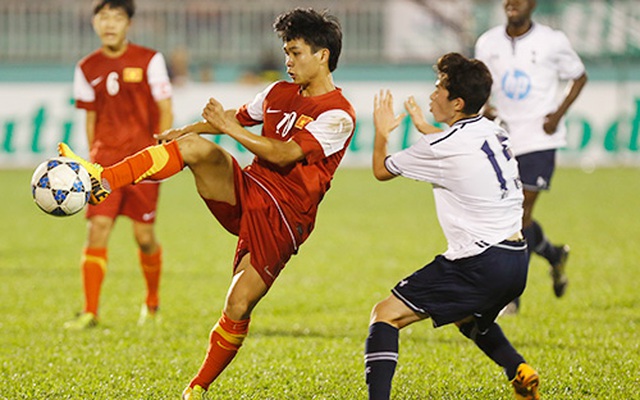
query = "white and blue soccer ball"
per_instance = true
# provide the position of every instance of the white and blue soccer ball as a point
(60, 186)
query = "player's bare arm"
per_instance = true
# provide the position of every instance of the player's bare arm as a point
(417, 116)
(166, 114)
(274, 151)
(384, 121)
(90, 127)
(552, 120)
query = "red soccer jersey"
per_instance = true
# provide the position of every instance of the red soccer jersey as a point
(322, 125)
(123, 92)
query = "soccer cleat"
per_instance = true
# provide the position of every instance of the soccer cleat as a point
(560, 280)
(81, 322)
(99, 187)
(526, 383)
(149, 316)
(193, 393)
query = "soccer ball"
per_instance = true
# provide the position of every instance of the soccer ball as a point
(60, 186)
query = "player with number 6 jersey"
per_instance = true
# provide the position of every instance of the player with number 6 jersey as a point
(125, 91)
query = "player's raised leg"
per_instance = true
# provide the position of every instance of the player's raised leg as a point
(154, 162)
(228, 334)
(99, 188)
(212, 168)
(211, 165)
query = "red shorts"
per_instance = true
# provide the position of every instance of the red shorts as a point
(260, 223)
(138, 202)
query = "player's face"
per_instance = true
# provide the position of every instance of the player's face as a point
(303, 65)
(111, 26)
(440, 106)
(518, 12)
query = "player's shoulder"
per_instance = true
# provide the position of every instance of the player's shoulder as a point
(278, 91)
(497, 32)
(136, 51)
(94, 56)
(546, 32)
(342, 102)
(141, 49)
(463, 132)
(278, 88)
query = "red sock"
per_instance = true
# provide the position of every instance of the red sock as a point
(94, 266)
(155, 162)
(225, 340)
(151, 265)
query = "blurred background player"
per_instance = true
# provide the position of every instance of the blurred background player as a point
(271, 204)
(478, 198)
(126, 93)
(527, 61)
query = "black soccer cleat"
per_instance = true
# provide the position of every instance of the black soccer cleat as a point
(558, 273)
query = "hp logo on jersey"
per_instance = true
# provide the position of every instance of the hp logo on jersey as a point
(516, 84)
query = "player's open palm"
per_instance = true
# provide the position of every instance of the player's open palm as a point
(418, 118)
(383, 116)
(415, 112)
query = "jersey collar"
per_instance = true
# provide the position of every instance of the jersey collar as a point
(462, 122)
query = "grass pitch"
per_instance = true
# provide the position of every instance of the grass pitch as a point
(307, 336)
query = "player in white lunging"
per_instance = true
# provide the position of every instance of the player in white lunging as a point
(527, 61)
(478, 198)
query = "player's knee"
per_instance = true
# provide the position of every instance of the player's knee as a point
(195, 150)
(148, 246)
(385, 312)
(377, 312)
(469, 329)
(146, 239)
(238, 308)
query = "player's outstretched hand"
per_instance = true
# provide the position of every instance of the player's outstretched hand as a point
(415, 112)
(417, 116)
(384, 118)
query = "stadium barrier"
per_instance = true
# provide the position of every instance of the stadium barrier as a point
(603, 124)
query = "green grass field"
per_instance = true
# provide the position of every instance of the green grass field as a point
(307, 336)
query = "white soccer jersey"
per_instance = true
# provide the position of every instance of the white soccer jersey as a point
(526, 72)
(477, 190)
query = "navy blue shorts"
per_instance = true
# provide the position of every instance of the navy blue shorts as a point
(450, 291)
(536, 169)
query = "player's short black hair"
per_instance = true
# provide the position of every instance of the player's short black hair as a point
(465, 78)
(320, 30)
(126, 5)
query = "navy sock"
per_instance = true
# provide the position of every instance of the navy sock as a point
(380, 359)
(538, 242)
(495, 345)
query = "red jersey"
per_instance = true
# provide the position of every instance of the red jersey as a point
(322, 126)
(123, 92)
(276, 207)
